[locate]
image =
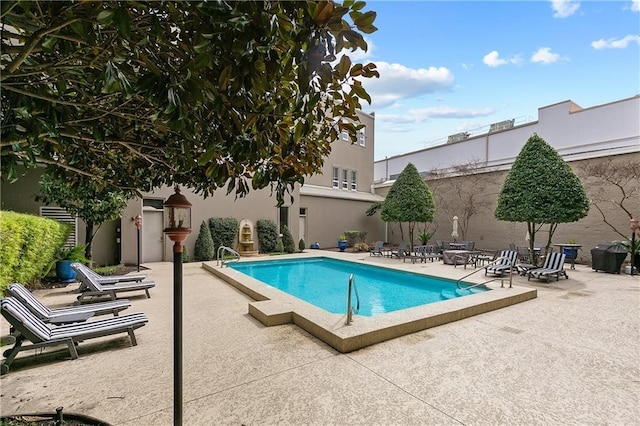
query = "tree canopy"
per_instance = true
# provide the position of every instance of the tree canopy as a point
(409, 200)
(207, 94)
(540, 189)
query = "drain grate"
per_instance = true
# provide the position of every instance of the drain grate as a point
(512, 330)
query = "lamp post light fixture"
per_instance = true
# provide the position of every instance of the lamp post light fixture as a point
(177, 218)
(137, 220)
(633, 224)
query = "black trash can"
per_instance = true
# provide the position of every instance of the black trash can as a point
(608, 257)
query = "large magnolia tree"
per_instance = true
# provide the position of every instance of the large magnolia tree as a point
(206, 94)
(541, 189)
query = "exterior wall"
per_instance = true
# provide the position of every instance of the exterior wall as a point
(576, 133)
(329, 217)
(492, 234)
(257, 205)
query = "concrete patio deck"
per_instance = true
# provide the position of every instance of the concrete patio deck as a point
(568, 357)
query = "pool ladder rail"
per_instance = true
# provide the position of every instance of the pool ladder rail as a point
(220, 259)
(350, 309)
(501, 278)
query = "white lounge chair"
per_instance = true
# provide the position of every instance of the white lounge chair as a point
(93, 288)
(66, 314)
(553, 265)
(26, 326)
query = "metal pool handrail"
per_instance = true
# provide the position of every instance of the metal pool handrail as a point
(350, 310)
(220, 255)
(488, 281)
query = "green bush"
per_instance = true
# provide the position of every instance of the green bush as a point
(29, 244)
(267, 235)
(203, 249)
(223, 231)
(287, 240)
(279, 246)
(185, 254)
(301, 245)
(355, 237)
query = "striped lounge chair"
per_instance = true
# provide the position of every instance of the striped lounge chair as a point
(110, 279)
(91, 288)
(26, 326)
(553, 265)
(65, 314)
(504, 262)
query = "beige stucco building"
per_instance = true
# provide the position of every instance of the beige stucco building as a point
(469, 173)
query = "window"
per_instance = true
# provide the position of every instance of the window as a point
(354, 180)
(335, 178)
(345, 135)
(362, 138)
(303, 211)
(345, 179)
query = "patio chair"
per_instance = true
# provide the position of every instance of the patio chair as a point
(65, 314)
(553, 265)
(431, 253)
(504, 262)
(95, 289)
(26, 326)
(401, 251)
(377, 249)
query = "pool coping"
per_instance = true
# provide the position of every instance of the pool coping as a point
(274, 307)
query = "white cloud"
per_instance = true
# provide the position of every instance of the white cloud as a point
(420, 115)
(399, 82)
(564, 8)
(493, 60)
(612, 43)
(545, 56)
(635, 5)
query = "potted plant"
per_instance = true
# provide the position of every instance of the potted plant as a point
(571, 253)
(634, 252)
(425, 237)
(342, 242)
(63, 260)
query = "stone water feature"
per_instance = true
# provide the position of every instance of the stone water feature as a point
(245, 239)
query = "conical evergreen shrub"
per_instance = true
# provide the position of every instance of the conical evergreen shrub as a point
(203, 249)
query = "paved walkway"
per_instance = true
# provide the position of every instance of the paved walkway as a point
(569, 357)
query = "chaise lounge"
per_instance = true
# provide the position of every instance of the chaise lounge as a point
(67, 314)
(504, 262)
(553, 265)
(26, 326)
(92, 288)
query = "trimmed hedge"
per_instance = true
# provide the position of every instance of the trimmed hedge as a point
(224, 231)
(287, 240)
(29, 245)
(267, 235)
(355, 237)
(203, 249)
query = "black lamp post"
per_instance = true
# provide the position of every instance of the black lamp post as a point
(633, 224)
(137, 219)
(177, 219)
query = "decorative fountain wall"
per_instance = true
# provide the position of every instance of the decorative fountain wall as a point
(245, 239)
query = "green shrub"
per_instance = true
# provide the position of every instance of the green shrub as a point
(301, 245)
(29, 244)
(185, 254)
(223, 231)
(267, 235)
(203, 249)
(354, 237)
(287, 240)
(279, 246)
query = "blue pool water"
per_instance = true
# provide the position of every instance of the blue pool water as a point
(324, 282)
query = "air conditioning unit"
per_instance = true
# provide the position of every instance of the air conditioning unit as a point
(458, 137)
(502, 125)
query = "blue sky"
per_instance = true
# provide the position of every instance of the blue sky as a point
(452, 66)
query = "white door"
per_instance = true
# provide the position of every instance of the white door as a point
(302, 229)
(152, 235)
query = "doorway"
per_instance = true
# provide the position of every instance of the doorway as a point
(152, 235)
(302, 225)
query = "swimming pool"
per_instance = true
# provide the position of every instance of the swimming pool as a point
(273, 307)
(323, 282)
